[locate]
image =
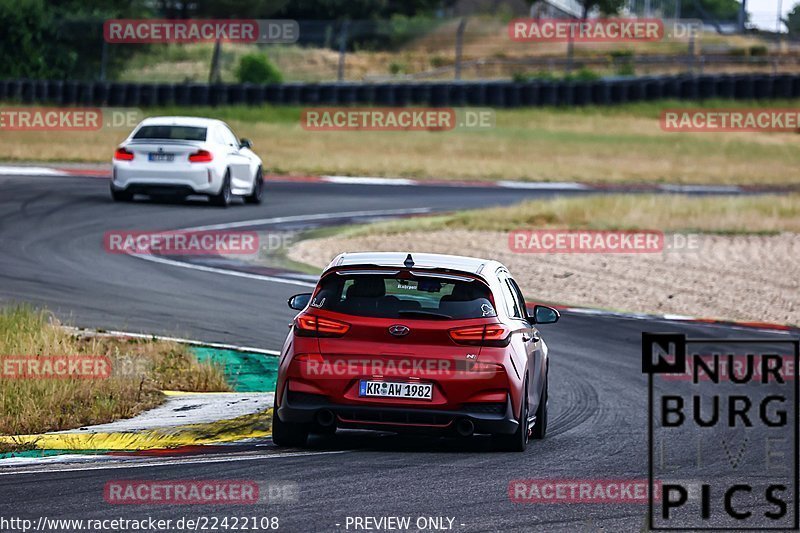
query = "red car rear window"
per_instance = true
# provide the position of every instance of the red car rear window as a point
(389, 296)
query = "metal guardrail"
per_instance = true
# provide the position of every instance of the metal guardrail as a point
(438, 94)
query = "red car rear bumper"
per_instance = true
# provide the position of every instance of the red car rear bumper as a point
(492, 418)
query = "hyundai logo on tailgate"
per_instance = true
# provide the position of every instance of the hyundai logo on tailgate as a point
(399, 330)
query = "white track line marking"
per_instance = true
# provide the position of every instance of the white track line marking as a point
(303, 218)
(544, 185)
(677, 317)
(115, 333)
(370, 180)
(269, 221)
(366, 180)
(30, 171)
(214, 270)
(172, 462)
(700, 188)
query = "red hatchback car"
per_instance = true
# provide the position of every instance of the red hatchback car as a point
(429, 343)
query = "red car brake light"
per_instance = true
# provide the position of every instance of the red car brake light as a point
(315, 326)
(482, 335)
(201, 156)
(123, 155)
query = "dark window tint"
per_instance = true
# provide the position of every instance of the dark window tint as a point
(511, 303)
(518, 298)
(178, 133)
(390, 297)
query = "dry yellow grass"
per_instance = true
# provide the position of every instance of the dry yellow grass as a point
(612, 145)
(140, 370)
(485, 38)
(669, 213)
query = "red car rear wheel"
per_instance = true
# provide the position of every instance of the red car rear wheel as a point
(517, 442)
(288, 434)
(540, 429)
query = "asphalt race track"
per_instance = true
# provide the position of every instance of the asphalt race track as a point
(51, 253)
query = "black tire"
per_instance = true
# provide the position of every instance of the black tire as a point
(286, 434)
(224, 197)
(258, 189)
(517, 442)
(121, 196)
(540, 428)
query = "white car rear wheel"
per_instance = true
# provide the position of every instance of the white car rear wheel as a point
(258, 189)
(223, 198)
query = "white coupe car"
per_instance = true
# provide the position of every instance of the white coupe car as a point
(182, 156)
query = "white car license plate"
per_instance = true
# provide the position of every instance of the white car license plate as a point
(161, 157)
(390, 389)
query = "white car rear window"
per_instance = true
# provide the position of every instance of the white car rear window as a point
(171, 132)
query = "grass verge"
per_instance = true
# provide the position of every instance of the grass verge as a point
(767, 214)
(140, 369)
(622, 144)
(255, 425)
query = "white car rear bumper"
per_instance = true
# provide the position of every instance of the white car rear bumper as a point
(195, 177)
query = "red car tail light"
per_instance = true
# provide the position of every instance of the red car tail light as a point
(483, 335)
(315, 326)
(201, 156)
(123, 155)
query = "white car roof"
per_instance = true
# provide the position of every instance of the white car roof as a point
(470, 265)
(181, 121)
